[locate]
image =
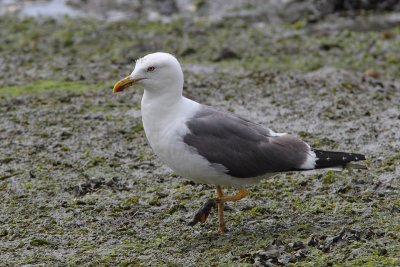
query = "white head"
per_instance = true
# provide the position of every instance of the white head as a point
(157, 73)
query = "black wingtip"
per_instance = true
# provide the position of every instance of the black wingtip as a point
(327, 159)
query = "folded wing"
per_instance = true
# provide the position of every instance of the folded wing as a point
(244, 148)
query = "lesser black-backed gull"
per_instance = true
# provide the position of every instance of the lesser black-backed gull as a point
(208, 146)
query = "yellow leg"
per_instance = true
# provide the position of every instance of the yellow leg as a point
(221, 199)
(220, 205)
(241, 194)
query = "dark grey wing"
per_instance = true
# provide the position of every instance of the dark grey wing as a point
(244, 148)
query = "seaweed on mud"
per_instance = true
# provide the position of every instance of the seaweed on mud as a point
(80, 186)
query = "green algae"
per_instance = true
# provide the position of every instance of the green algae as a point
(39, 242)
(135, 212)
(42, 86)
(83, 54)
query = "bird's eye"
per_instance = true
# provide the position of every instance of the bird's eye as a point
(150, 69)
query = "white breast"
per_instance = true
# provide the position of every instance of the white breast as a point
(165, 129)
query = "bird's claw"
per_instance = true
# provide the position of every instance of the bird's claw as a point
(202, 214)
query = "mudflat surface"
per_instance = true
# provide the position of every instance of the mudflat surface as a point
(80, 186)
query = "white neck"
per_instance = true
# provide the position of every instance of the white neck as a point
(159, 100)
(158, 107)
(161, 112)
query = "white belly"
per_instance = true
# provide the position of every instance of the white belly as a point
(165, 130)
(170, 148)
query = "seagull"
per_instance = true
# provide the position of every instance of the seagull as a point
(209, 146)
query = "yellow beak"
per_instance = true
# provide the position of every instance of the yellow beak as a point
(124, 83)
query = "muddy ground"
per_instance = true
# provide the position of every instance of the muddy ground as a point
(79, 185)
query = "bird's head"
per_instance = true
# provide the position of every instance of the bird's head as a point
(156, 73)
